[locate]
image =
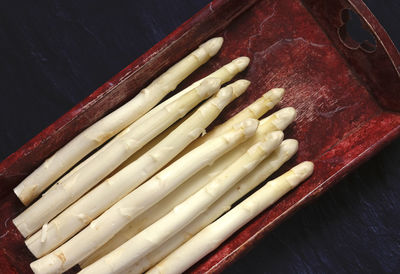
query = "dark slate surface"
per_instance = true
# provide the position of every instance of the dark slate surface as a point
(54, 53)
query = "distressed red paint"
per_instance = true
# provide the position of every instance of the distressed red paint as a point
(348, 102)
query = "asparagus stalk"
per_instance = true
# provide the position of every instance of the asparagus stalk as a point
(184, 213)
(268, 166)
(114, 188)
(101, 131)
(276, 121)
(94, 169)
(255, 110)
(150, 145)
(225, 74)
(116, 217)
(239, 85)
(214, 234)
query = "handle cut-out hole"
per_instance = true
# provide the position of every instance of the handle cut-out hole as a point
(354, 34)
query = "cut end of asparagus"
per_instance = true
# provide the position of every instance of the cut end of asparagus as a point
(213, 45)
(52, 264)
(240, 86)
(299, 173)
(274, 95)
(18, 189)
(35, 252)
(241, 62)
(284, 117)
(249, 127)
(25, 199)
(21, 226)
(208, 87)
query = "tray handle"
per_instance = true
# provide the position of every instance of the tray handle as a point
(377, 68)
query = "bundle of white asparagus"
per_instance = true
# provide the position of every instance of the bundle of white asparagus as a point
(110, 125)
(153, 197)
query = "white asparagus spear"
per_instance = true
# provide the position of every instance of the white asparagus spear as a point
(276, 121)
(114, 188)
(153, 236)
(225, 74)
(151, 144)
(214, 234)
(239, 85)
(255, 110)
(120, 214)
(102, 130)
(99, 165)
(283, 153)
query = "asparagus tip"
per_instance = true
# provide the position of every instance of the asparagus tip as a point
(278, 135)
(209, 86)
(302, 171)
(240, 86)
(249, 125)
(242, 62)
(224, 96)
(213, 45)
(284, 117)
(275, 94)
(274, 137)
(290, 146)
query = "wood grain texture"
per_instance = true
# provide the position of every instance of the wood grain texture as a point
(55, 55)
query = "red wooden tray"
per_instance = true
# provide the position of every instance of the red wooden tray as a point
(347, 97)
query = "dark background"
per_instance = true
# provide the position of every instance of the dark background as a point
(55, 53)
